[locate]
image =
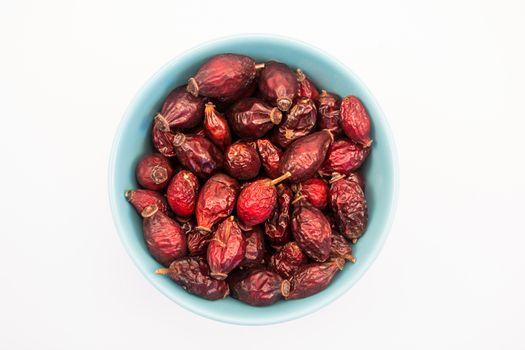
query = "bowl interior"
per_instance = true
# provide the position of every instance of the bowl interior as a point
(133, 140)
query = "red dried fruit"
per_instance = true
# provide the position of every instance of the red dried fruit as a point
(198, 154)
(252, 118)
(343, 157)
(258, 287)
(216, 201)
(357, 178)
(306, 87)
(182, 193)
(314, 190)
(328, 116)
(198, 241)
(216, 127)
(223, 75)
(224, 102)
(287, 260)
(226, 249)
(153, 171)
(299, 122)
(312, 231)
(349, 207)
(181, 110)
(313, 278)
(257, 201)
(355, 120)
(278, 84)
(254, 252)
(340, 248)
(270, 157)
(162, 139)
(304, 156)
(277, 227)
(193, 274)
(140, 199)
(242, 161)
(164, 237)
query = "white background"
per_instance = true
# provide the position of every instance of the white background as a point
(449, 76)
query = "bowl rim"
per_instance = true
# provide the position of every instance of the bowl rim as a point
(299, 312)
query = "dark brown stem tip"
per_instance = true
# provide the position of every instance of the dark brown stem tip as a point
(193, 87)
(350, 258)
(281, 178)
(149, 211)
(162, 271)
(276, 116)
(219, 275)
(285, 288)
(259, 66)
(284, 104)
(159, 174)
(128, 195)
(300, 75)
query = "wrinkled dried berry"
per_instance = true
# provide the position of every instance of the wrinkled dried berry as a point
(312, 231)
(181, 110)
(270, 157)
(153, 171)
(163, 139)
(287, 260)
(258, 287)
(216, 200)
(254, 251)
(226, 249)
(278, 84)
(164, 237)
(216, 127)
(225, 102)
(299, 122)
(357, 178)
(182, 193)
(277, 227)
(198, 241)
(193, 274)
(252, 118)
(223, 76)
(140, 199)
(314, 190)
(241, 161)
(355, 120)
(306, 87)
(343, 157)
(340, 248)
(198, 154)
(328, 116)
(313, 278)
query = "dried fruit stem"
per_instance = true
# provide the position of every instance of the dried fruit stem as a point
(284, 104)
(340, 262)
(259, 66)
(162, 271)
(179, 139)
(202, 228)
(149, 211)
(129, 195)
(336, 177)
(285, 288)
(276, 116)
(193, 87)
(300, 75)
(297, 199)
(219, 275)
(162, 123)
(354, 240)
(350, 258)
(159, 174)
(281, 178)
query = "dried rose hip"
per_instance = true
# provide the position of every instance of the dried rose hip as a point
(277, 227)
(198, 241)
(198, 154)
(306, 87)
(164, 237)
(340, 248)
(224, 102)
(181, 110)
(313, 278)
(182, 193)
(270, 157)
(193, 274)
(328, 113)
(242, 161)
(223, 75)
(287, 260)
(258, 287)
(254, 251)
(252, 118)
(216, 127)
(343, 157)
(355, 120)
(314, 190)
(226, 249)
(298, 123)
(140, 199)
(162, 139)
(278, 84)
(304, 156)
(312, 231)
(349, 207)
(357, 178)
(216, 201)
(153, 171)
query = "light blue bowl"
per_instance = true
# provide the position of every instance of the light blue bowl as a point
(132, 140)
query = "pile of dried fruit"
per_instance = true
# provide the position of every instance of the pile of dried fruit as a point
(254, 192)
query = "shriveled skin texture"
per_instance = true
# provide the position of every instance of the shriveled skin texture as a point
(277, 227)
(226, 249)
(312, 231)
(278, 84)
(357, 178)
(270, 157)
(355, 120)
(216, 127)
(340, 248)
(306, 87)
(328, 116)
(343, 157)
(256, 202)
(257, 287)
(193, 274)
(251, 118)
(182, 193)
(164, 238)
(216, 200)
(182, 110)
(225, 102)
(349, 207)
(162, 140)
(287, 260)
(299, 122)
(154, 171)
(255, 249)
(198, 241)
(304, 156)
(199, 155)
(140, 199)
(225, 75)
(313, 278)
(316, 192)
(242, 161)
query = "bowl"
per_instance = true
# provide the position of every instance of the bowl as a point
(132, 140)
